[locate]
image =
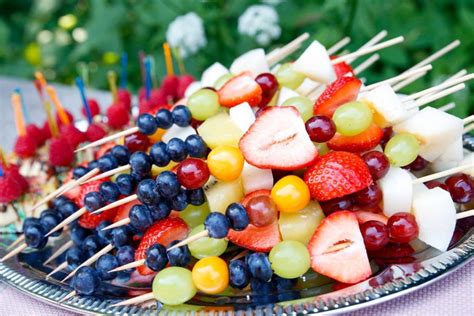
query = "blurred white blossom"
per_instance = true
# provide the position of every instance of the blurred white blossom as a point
(187, 33)
(260, 22)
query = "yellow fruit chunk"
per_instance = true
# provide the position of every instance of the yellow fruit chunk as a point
(221, 194)
(220, 130)
(300, 226)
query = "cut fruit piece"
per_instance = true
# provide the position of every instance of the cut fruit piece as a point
(451, 158)
(285, 94)
(397, 191)
(343, 90)
(300, 226)
(388, 108)
(253, 61)
(193, 87)
(434, 129)
(337, 249)
(336, 174)
(220, 130)
(242, 115)
(222, 194)
(240, 89)
(365, 216)
(342, 69)
(307, 86)
(254, 178)
(254, 238)
(212, 73)
(176, 131)
(364, 141)
(278, 140)
(315, 64)
(436, 217)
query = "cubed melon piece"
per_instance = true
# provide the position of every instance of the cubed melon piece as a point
(397, 191)
(285, 94)
(242, 115)
(386, 104)
(254, 61)
(307, 86)
(301, 225)
(178, 132)
(212, 73)
(315, 64)
(222, 194)
(219, 130)
(254, 178)
(451, 158)
(193, 87)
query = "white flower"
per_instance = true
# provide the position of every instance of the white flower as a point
(187, 33)
(260, 22)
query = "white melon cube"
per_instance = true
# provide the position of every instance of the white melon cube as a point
(178, 132)
(193, 87)
(212, 73)
(307, 86)
(285, 94)
(315, 64)
(254, 61)
(387, 105)
(397, 191)
(242, 115)
(452, 157)
(254, 178)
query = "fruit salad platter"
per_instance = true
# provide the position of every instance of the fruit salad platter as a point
(284, 183)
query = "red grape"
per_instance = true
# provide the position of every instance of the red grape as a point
(375, 235)
(377, 162)
(337, 204)
(418, 164)
(262, 211)
(387, 134)
(434, 183)
(269, 85)
(193, 173)
(137, 142)
(461, 188)
(320, 128)
(370, 196)
(402, 227)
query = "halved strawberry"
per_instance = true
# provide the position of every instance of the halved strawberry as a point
(86, 188)
(364, 141)
(91, 221)
(123, 210)
(336, 174)
(162, 232)
(278, 140)
(343, 90)
(342, 69)
(337, 249)
(256, 238)
(239, 89)
(365, 216)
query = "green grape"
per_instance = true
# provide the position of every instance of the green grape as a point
(352, 118)
(203, 104)
(288, 77)
(290, 259)
(206, 247)
(174, 286)
(402, 149)
(195, 215)
(222, 80)
(303, 104)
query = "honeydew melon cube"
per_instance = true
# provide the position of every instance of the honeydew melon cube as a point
(193, 87)
(254, 61)
(178, 132)
(315, 64)
(451, 158)
(222, 194)
(386, 104)
(212, 73)
(307, 86)
(300, 226)
(397, 191)
(254, 178)
(219, 130)
(285, 94)
(242, 115)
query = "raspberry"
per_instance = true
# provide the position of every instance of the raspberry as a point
(95, 132)
(69, 115)
(93, 106)
(117, 115)
(46, 130)
(61, 154)
(25, 146)
(73, 136)
(125, 98)
(13, 171)
(170, 85)
(36, 133)
(184, 82)
(10, 189)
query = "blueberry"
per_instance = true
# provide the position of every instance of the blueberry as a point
(156, 257)
(181, 116)
(137, 177)
(237, 215)
(74, 257)
(121, 154)
(60, 200)
(159, 154)
(196, 196)
(105, 236)
(30, 221)
(284, 288)
(179, 257)
(140, 217)
(104, 264)
(195, 146)
(146, 124)
(78, 234)
(160, 211)
(107, 162)
(125, 183)
(238, 274)
(121, 236)
(217, 225)
(124, 255)
(180, 201)
(93, 164)
(140, 162)
(50, 219)
(91, 245)
(110, 191)
(67, 209)
(147, 192)
(259, 266)
(262, 292)
(85, 281)
(35, 236)
(93, 201)
(177, 149)
(79, 172)
(164, 119)
(168, 184)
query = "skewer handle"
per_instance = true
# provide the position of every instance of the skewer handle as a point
(188, 240)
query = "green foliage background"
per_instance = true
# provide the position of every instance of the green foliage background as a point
(133, 25)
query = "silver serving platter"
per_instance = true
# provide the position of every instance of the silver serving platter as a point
(26, 274)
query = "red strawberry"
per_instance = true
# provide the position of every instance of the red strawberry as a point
(73, 136)
(95, 132)
(61, 154)
(25, 147)
(103, 149)
(123, 210)
(239, 89)
(68, 114)
(93, 106)
(256, 238)
(36, 133)
(278, 140)
(364, 141)
(343, 90)
(125, 98)
(91, 221)
(184, 82)
(342, 69)
(10, 189)
(337, 249)
(117, 116)
(162, 232)
(336, 174)
(86, 188)
(365, 216)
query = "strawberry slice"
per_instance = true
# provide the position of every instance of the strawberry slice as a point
(278, 140)
(337, 249)
(364, 141)
(91, 221)
(162, 232)
(123, 210)
(256, 238)
(365, 216)
(343, 90)
(240, 89)
(342, 69)
(336, 174)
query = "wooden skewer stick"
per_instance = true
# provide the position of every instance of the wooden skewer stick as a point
(16, 242)
(436, 96)
(14, 252)
(397, 78)
(89, 261)
(368, 50)
(130, 265)
(135, 300)
(468, 128)
(442, 174)
(109, 173)
(374, 40)
(468, 119)
(288, 49)
(408, 81)
(110, 138)
(343, 42)
(68, 296)
(68, 220)
(62, 266)
(430, 91)
(119, 223)
(190, 239)
(58, 252)
(366, 64)
(464, 214)
(112, 205)
(447, 107)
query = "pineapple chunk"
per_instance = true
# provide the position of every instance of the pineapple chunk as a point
(219, 130)
(222, 194)
(300, 226)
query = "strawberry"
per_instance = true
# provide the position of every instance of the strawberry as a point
(336, 174)
(91, 221)
(123, 210)
(278, 140)
(256, 238)
(364, 141)
(25, 146)
(342, 69)
(61, 154)
(86, 188)
(10, 189)
(240, 89)
(337, 249)
(183, 84)
(36, 133)
(162, 232)
(103, 149)
(95, 132)
(93, 106)
(73, 136)
(117, 116)
(365, 216)
(343, 90)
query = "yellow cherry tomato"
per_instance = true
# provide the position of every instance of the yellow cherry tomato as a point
(211, 275)
(225, 163)
(290, 194)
